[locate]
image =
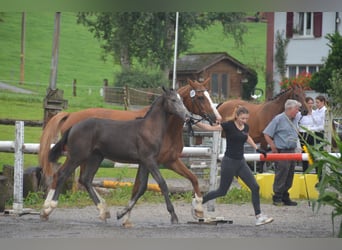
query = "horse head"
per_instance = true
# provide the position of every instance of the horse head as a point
(196, 98)
(173, 104)
(299, 95)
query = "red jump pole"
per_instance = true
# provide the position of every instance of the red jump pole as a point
(277, 157)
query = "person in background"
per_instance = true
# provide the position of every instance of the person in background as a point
(282, 136)
(319, 116)
(233, 163)
(307, 123)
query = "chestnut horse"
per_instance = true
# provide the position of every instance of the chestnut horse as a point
(195, 98)
(88, 142)
(261, 114)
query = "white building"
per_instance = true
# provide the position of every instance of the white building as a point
(307, 47)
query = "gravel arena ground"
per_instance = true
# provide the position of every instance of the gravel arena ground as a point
(153, 221)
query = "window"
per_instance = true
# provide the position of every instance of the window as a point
(219, 86)
(294, 70)
(303, 23)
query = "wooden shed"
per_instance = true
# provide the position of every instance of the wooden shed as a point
(227, 74)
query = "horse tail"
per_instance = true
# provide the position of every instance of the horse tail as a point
(57, 149)
(49, 135)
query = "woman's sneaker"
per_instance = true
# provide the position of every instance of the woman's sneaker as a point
(263, 219)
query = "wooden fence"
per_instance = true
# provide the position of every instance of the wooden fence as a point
(128, 96)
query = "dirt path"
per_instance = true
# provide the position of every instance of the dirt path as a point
(14, 89)
(153, 221)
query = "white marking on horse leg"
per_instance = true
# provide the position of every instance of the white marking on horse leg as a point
(197, 208)
(102, 207)
(127, 220)
(217, 114)
(49, 204)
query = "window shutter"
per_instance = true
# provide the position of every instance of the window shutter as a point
(317, 24)
(289, 24)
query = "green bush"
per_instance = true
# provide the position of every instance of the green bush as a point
(140, 79)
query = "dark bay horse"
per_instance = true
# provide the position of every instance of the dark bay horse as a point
(196, 99)
(261, 114)
(136, 141)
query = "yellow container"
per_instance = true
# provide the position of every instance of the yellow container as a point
(307, 186)
(295, 190)
(265, 182)
(299, 189)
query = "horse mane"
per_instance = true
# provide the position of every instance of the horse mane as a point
(151, 107)
(281, 93)
(218, 105)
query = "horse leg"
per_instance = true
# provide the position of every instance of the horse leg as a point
(153, 168)
(140, 186)
(59, 179)
(87, 174)
(179, 167)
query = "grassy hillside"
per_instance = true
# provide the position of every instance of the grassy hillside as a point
(79, 52)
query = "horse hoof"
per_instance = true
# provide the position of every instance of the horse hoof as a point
(174, 219)
(196, 214)
(44, 217)
(119, 215)
(105, 216)
(127, 224)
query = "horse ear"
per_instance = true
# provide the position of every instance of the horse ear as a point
(192, 84)
(166, 90)
(190, 81)
(206, 82)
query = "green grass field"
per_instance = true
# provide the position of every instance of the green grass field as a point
(80, 58)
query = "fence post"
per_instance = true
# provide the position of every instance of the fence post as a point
(126, 97)
(18, 167)
(213, 167)
(74, 87)
(328, 128)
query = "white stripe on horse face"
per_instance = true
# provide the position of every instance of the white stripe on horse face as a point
(217, 114)
(180, 98)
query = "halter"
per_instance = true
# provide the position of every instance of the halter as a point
(205, 116)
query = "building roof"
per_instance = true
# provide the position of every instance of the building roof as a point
(198, 62)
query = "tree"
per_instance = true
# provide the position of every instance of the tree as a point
(321, 80)
(149, 37)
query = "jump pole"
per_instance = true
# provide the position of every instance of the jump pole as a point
(275, 157)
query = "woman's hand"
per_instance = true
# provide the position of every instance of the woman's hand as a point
(261, 151)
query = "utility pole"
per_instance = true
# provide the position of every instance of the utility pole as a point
(22, 52)
(54, 102)
(175, 53)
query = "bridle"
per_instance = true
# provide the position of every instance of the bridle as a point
(195, 104)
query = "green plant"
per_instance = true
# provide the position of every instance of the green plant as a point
(330, 185)
(140, 79)
(320, 80)
(336, 90)
(236, 196)
(281, 55)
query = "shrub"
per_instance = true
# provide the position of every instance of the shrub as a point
(303, 79)
(140, 79)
